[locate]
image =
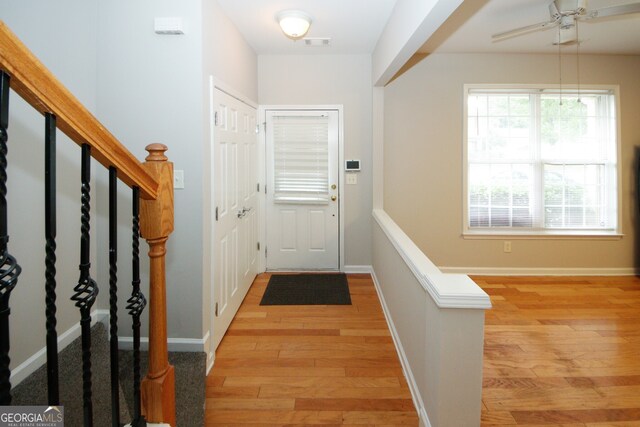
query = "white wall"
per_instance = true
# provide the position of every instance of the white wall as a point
(44, 27)
(423, 160)
(332, 79)
(411, 24)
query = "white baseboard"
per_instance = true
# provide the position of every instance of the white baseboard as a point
(39, 358)
(355, 269)
(211, 352)
(173, 344)
(517, 271)
(210, 361)
(411, 381)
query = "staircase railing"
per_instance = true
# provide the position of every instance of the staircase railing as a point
(152, 218)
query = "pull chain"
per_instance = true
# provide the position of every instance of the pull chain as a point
(560, 63)
(578, 59)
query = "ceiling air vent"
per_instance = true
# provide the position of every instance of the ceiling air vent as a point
(317, 41)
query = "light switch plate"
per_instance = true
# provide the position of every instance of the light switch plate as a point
(178, 179)
(352, 178)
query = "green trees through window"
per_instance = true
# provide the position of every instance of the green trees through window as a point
(538, 160)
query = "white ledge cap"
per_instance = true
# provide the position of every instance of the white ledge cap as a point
(457, 291)
(447, 290)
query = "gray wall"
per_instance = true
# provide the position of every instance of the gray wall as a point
(154, 88)
(423, 158)
(332, 79)
(144, 88)
(44, 26)
(149, 89)
(443, 346)
(231, 61)
(226, 55)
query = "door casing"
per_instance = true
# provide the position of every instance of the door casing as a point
(262, 146)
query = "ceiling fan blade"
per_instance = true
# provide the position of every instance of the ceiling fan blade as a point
(612, 11)
(523, 30)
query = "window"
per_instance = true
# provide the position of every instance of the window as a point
(541, 162)
(301, 159)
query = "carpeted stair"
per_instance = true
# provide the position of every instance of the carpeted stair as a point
(190, 383)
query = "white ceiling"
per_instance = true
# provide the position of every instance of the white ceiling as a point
(614, 35)
(354, 26)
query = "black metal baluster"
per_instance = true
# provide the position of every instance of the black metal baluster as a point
(86, 290)
(50, 258)
(9, 268)
(136, 303)
(113, 294)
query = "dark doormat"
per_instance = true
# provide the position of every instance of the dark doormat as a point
(307, 289)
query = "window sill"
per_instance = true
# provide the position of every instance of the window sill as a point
(537, 235)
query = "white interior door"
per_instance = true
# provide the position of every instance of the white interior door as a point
(235, 172)
(302, 203)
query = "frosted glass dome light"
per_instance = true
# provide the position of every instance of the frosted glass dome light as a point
(294, 23)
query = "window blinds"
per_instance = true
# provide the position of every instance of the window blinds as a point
(301, 159)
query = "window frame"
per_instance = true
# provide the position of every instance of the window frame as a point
(539, 233)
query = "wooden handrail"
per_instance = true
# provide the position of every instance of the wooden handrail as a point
(40, 88)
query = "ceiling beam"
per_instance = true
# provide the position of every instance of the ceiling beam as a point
(411, 24)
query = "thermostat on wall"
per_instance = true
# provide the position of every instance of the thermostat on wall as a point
(352, 165)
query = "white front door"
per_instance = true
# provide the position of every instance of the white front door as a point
(235, 172)
(302, 201)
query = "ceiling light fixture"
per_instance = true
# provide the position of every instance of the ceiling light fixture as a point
(294, 23)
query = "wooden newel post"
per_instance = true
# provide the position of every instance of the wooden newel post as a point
(156, 223)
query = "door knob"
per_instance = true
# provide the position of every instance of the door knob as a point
(333, 198)
(243, 212)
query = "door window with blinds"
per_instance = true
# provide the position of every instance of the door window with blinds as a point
(541, 161)
(301, 159)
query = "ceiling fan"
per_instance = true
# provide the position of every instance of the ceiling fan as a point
(565, 14)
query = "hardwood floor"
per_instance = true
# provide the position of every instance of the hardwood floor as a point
(309, 365)
(562, 351)
(559, 351)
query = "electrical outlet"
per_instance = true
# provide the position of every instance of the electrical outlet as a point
(178, 178)
(507, 247)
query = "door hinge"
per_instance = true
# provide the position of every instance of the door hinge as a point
(264, 124)
(215, 118)
(265, 189)
(258, 245)
(216, 310)
(216, 213)
(258, 187)
(265, 251)
(257, 128)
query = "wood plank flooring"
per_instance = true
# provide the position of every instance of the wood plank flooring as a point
(309, 365)
(562, 351)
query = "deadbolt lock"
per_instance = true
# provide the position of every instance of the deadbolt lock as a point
(333, 186)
